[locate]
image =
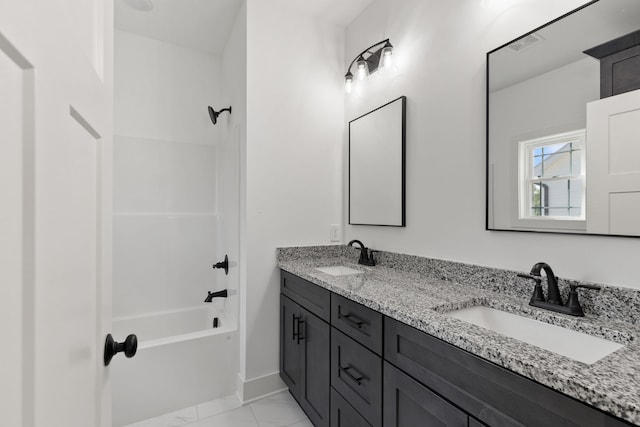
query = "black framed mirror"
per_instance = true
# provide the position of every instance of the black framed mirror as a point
(377, 151)
(563, 125)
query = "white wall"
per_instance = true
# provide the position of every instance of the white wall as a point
(551, 103)
(164, 175)
(440, 52)
(295, 127)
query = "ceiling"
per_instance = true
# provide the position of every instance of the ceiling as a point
(206, 24)
(198, 24)
(565, 41)
(341, 12)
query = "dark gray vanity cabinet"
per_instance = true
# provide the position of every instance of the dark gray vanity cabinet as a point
(304, 347)
(350, 366)
(486, 391)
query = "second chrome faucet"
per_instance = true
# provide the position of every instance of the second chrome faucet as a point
(553, 301)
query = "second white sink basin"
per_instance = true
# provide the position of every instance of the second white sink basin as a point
(339, 270)
(566, 342)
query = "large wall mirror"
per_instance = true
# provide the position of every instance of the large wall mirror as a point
(563, 137)
(377, 166)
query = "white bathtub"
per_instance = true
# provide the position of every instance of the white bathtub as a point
(181, 361)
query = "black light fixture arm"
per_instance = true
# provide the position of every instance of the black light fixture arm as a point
(367, 50)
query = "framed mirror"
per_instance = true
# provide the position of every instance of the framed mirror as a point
(377, 145)
(563, 125)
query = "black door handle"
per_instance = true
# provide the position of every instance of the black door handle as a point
(300, 336)
(111, 347)
(295, 321)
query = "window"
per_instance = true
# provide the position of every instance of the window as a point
(552, 177)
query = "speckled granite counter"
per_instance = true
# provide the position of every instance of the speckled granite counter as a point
(415, 292)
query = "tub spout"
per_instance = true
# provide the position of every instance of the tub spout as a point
(220, 294)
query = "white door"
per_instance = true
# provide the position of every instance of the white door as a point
(613, 165)
(55, 207)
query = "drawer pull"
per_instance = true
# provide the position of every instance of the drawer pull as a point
(355, 378)
(352, 320)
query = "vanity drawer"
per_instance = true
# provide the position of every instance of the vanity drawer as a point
(310, 296)
(490, 393)
(343, 414)
(356, 373)
(409, 403)
(359, 322)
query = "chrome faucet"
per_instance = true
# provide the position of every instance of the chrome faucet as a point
(366, 257)
(553, 301)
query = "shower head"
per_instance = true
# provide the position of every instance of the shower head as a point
(214, 114)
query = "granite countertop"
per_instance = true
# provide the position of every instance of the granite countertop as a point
(611, 384)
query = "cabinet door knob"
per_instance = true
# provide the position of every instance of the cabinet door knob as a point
(111, 347)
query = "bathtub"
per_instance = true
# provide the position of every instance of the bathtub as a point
(181, 361)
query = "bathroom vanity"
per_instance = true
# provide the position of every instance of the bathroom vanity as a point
(377, 346)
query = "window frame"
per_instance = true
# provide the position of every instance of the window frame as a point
(526, 178)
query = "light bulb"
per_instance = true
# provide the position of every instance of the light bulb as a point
(363, 68)
(348, 79)
(386, 57)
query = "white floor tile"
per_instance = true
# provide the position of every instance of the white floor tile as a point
(172, 419)
(240, 417)
(279, 410)
(218, 406)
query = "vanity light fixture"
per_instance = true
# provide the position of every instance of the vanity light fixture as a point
(369, 60)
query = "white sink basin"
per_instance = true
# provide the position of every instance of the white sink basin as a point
(339, 270)
(566, 342)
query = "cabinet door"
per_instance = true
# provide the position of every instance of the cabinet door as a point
(314, 347)
(289, 348)
(407, 403)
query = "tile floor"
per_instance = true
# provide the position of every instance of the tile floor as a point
(279, 410)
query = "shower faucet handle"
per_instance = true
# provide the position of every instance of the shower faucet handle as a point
(223, 265)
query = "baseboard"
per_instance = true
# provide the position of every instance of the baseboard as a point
(259, 387)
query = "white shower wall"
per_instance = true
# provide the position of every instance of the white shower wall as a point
(165, 211)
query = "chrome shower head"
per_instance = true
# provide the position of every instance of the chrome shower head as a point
(213, 114)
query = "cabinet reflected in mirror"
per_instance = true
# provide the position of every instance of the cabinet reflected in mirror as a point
(563, 137)
(377, 166)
